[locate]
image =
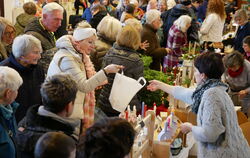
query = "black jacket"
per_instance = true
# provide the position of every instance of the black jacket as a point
(97, 18)
(240, 35)
(133, 67)
(35, 126)
(173, 14)
(29, 91)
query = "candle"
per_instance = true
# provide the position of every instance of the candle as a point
(189, 46)
(142, 109)
(194, 47)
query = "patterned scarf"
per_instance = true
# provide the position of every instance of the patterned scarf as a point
(201, 88)
(89, 101)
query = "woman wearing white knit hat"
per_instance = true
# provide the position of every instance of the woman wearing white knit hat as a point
(73, 58)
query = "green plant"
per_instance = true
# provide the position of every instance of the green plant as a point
(150, 97)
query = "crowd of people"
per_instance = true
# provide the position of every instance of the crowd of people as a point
(55, 85)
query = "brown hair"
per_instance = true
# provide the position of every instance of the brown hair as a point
(217, 6)
(233, 59)
(246, 40)
(29, 8)
(129, 37)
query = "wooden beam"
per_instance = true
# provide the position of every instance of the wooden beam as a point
(2, 8)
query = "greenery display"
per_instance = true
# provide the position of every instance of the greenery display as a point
(154, 97)
(191, 51)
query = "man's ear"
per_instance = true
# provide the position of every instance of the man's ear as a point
(45, 16)
(69, 107)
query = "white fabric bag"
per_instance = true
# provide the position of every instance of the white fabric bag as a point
(123, 90)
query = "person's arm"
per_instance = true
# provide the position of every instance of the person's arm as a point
(69, 65)
(212, 126)
(181, 93)
(207, 24)
(154, 50)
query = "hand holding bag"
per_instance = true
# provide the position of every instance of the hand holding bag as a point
(123, 90)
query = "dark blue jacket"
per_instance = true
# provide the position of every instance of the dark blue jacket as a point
(240, 35)
(29, 91)
(8, 129)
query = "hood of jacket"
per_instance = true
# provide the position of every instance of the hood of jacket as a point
(179, 10)
(36, 122)
(65, 43)
(24, 19)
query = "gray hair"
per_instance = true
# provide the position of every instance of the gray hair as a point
(182, 22)
(9, 79)
(109, 27)
(23, 44)
(50, 7)
(3, 24)
(152, 15)
(242, 14)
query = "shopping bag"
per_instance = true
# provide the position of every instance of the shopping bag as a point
(123, 90)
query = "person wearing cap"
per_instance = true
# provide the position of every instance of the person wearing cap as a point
(73, 58)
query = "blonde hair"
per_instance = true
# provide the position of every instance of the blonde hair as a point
(242, 14)
(3, 24)
(135, 23)
(109, 27)
(129, 37)
(182, 22)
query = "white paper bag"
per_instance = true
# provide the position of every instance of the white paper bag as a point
(123, 90)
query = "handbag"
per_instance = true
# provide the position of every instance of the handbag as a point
(123, 90)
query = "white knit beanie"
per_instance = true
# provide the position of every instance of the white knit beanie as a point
(83, 33)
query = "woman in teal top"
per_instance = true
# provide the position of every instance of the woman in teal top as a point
(10, 81)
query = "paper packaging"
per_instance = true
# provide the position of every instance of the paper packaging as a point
(123, 90)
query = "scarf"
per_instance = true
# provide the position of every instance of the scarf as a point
(234, 74)
(201, 88)
(89, 100)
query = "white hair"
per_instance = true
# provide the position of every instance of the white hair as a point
(109, 27)
(24, 44)
(182, 22)
(9, 79)
(152, 15)
(50, 7)
(3, 24)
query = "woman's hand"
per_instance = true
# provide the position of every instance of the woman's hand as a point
(113, 68)
(186, 127)
(154, 85)
(144, 45)
(168, 50)
(242, 93)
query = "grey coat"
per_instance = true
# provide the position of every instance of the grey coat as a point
(217, 132)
